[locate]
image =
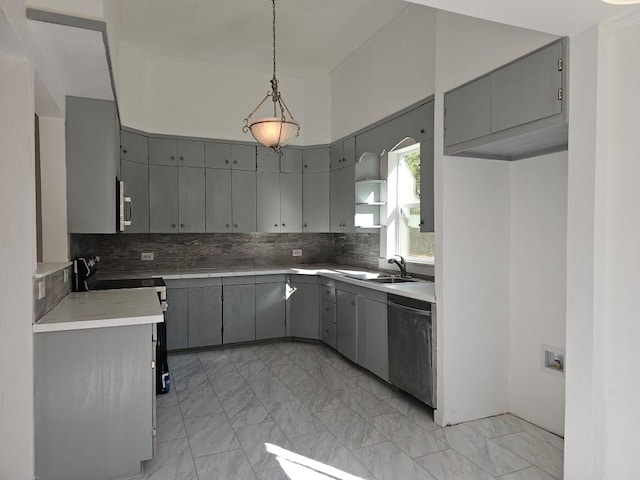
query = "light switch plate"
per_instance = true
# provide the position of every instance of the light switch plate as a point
(41, 290)
(66, 275)
(146, 256)
(297, 253)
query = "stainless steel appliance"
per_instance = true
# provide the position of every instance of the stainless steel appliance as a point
(85, 279)
(411, 352)
(123, 219)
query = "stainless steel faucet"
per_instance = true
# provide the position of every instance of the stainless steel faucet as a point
(402, 265)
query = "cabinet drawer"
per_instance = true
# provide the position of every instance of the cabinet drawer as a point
(328, 312)
(328, 293)
(239, 280)
(271, 278)
(328, 333)
(204, 282)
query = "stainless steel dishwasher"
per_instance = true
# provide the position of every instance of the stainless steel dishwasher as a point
(411, 347)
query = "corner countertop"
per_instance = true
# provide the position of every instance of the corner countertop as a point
(105, 308)
(419, 290)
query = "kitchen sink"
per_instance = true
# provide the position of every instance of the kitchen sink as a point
(391, 280)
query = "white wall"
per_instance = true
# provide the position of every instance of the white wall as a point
(53, 171)
(538, 287)
(79, 8)
(392, 70)
(472, 232)
(17, 257)
(162, 95)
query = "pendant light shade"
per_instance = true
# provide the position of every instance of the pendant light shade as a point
(279, 129)
(621, 2)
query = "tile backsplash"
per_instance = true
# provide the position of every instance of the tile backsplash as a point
(222, 250)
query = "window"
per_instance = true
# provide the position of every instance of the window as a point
(403, 235)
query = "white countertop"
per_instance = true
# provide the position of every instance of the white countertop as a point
(45, 269)
(420, 290)
(105, 308)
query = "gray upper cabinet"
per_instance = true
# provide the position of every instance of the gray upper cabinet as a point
(373, 348)
(527, 89)
(191, 199)
(217, 155)
(136, 178)
(243, 193)
(468, 112)
(270, 306)
(92, 154)
(335, 153)
(516, 111)
(425, 122)
(163, 199)
(427, 186)
(342, 197)
(343, 154)
(315, 202)
(163, 151)
(190, 153)
(316, 160)
(219, 218)
(290, 202)
(291, 160)
(243, 157)
(134, 147)
(239, 311)
(177, 319)
(268, 202)
(267, 160)
(346, 324)
(205, 316)
(303, 310)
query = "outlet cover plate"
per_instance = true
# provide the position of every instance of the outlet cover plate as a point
(297, 253)
(146, 257)
(41, 290)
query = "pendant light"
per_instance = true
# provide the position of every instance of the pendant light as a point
(278, 130)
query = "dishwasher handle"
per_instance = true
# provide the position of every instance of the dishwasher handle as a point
(417, 311)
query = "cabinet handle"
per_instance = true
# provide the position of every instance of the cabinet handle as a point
(226, 161)
(421, 222)
(353, 303)
(124, 151)
(305, 225)
(182, 225)
(182, 159)
(283, 225)
(173, 225)
(235, 225)
(304, 166)
(235, 162)
(275, 225)
(328, 292)
(172, 157)
(422, 130)
(227, 225)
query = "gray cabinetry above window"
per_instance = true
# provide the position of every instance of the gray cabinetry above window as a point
(516, 111)
(427, 186)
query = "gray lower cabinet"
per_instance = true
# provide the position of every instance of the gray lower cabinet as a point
(373, 348)
(163, 199)
(92, 153)
(239, 310)
(427, 186)
(346, 324)
(136, 178)
(328, 323)
(303, 306)
(219, 218)
(191, 199)
(270, 306)
(94, 402)
(315, 202)
(290, 202)
(268, 202)
(177, 318)
(243, 200)
(204, 316)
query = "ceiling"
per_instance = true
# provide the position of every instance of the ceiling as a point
(313, 37)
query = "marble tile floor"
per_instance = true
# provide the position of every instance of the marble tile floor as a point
(298, 411)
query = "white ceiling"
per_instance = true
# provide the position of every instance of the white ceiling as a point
(313, 36)
(79, 56)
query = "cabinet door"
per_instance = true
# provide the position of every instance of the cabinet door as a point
(243, 157)
(304, 309)
(328, 323)
(291, 202)
(163, 151)
(348, 197)
(526, 90)
(315, 202)
(372, 318)
(218, 193)
(427, 192)
(136, 179)
(177, 318)
(91, 158)
(190, 153)
(291, 160)
(425, 122)
(163, 199)
(133, 147)
(205, 316)
(468, 112)
(336, 218)
(270, 310)
(191, 199)
(374, 140)
(239, 313)
(268, 205)
(267, 160)
(346, 325)
(243, 194)
(316, 160)
(349, 152)
(217, 155)
(335, 155)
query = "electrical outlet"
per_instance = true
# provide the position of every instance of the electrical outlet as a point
(41, 290)
(66, 275)
(297, 253)
(553, 359)
(146, 256)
